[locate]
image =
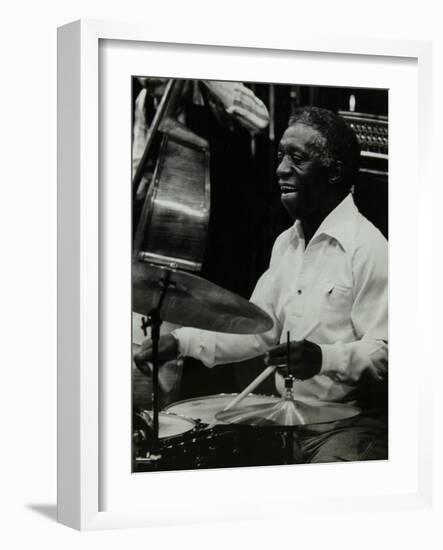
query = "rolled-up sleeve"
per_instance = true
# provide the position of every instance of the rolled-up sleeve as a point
(241, 103)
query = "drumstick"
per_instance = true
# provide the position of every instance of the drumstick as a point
(265, 374)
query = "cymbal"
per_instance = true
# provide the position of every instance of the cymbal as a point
(287, 412)
(194, 302)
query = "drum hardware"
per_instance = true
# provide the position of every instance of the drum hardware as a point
(192, 301)
(224, 446)
(171, 428)
(214, 443)
(269, 416)
(190, 437)
(288, 411)
(269, 370)
(263, 445)
(286, 416)
(204, 409)
(154, 321)
(166, 293)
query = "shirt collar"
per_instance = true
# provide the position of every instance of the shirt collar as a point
(338, 224)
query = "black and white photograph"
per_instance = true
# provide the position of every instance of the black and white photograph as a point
(259, 274)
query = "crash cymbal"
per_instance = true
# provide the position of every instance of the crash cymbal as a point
(287, 412)
(193, 301)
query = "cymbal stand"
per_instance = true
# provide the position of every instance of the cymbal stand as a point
(293, 453)
(292, 447)
(155, 321)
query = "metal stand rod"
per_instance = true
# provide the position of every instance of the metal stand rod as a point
(155, 322)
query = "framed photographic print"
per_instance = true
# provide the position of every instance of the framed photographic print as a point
(227, 290)
(182, 192)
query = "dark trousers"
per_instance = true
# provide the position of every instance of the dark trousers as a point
(363, 437)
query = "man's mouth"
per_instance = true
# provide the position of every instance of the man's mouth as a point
(285, 188)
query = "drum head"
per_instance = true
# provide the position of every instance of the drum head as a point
(205, 408)
(170, 425)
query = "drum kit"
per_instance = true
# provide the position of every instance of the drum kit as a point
(170, 238)
(208, 431)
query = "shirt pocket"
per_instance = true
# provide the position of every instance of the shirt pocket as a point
(336, 305)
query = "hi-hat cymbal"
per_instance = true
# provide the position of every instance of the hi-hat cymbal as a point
(194, 302)
(287, 412)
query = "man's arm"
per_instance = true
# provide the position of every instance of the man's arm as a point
(213, 348)
(140, 131)
(240, 103)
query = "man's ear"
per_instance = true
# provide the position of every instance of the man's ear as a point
(336, 173)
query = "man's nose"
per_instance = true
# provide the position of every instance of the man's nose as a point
(284, 168)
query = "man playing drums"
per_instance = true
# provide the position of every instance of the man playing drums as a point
(329, 270)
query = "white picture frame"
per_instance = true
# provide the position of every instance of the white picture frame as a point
(80, 413)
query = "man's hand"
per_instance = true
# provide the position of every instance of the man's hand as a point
(167, 350)
(305, 359)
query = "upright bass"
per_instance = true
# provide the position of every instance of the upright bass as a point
(174, 219)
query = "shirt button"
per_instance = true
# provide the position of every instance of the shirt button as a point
(298, 291)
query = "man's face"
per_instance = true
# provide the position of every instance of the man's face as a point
(302, 179)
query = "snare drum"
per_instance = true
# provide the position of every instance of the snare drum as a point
(222, 446)
(204, 409)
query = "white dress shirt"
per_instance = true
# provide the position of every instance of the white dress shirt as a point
(340, 279)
